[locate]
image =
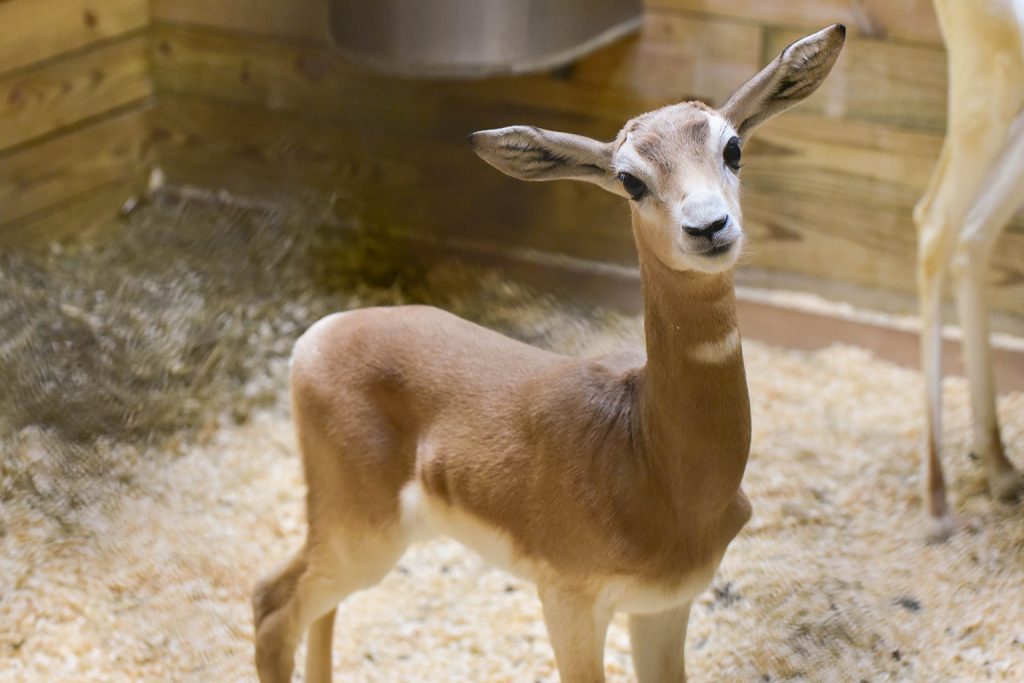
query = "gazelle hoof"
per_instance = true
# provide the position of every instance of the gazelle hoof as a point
(1007, 487)
(940, 528)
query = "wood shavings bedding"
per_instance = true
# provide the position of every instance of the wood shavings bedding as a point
(830, 581)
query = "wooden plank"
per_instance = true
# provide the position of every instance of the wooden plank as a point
(841, 163)
(266, 73)
(826, 196)
(430, 185)
(847, 163)
(799, 140)
(595, 97)
(862, 245)
(897, 19)
(39, 176)
(307, 19)
(677, 57)
(302, 19)
(835, 199)
(34, 30)
(674, 56)
(39, 101)
(86, 216)
(286, 76)
(881, 81)
(419, 183)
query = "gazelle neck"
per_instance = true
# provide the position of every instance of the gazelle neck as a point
(694, 403)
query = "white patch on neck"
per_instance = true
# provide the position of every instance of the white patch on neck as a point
(718, 350)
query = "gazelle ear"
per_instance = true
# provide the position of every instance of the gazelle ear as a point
(793, 76)
(530, 153)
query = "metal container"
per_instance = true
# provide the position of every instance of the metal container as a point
(476, 38)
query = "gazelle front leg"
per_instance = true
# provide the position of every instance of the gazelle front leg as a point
(577, 625)
(658, 642)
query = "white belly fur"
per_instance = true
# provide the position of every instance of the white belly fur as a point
(424, 517)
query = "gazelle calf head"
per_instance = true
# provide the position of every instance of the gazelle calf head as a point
(678, 165)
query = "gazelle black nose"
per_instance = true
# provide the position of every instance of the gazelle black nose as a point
(707, 230)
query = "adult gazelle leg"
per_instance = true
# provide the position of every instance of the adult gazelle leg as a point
(999, 197)
(933, 250)
(930, 288)
(968, 155)
(658, 642)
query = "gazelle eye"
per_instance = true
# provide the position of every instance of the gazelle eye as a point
(633, 186)
(732, 153)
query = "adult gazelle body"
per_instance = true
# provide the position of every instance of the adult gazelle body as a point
(613, 483)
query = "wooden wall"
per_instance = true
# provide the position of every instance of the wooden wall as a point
(75, 87)
(251, 92)
(252, 98)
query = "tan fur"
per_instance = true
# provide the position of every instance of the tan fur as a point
(976, 185)
(613, 483)
(690, 132)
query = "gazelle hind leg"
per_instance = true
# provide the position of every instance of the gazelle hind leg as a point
(303, 595)
(940, 520)
(275, 636)
(658, 642)
(577, 626)
(991, 210)
(1004, 482)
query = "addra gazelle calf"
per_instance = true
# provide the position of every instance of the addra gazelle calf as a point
(612, 483)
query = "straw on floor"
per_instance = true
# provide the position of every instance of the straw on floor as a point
(128, 547)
